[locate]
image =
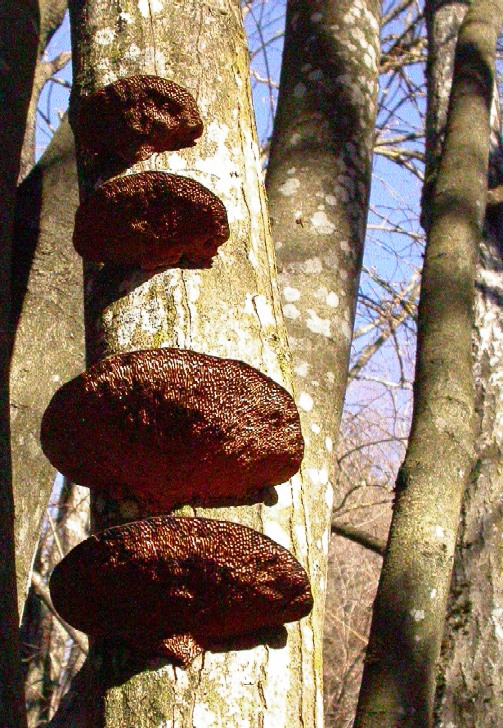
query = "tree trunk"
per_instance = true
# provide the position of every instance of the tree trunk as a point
(232, 311)
(318, 184)
(49, 323)
(18, 46)
(400, 671)
(470, 682)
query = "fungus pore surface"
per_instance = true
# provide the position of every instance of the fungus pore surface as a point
(152, 220)
(172, 426)
(178, 586)
(134, 117)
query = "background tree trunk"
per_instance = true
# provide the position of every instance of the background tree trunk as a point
(318, 185)
(470, 681)
(231, 310)
(400, 671)
(48, 319)
(19, 26)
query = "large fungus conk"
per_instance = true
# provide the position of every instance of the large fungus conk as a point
(134, 117)
(152, 220)
(178, 586)
(171, 426)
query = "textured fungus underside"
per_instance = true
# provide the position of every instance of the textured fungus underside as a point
(152, 220)
(171, 426)
(178, 586)
(134, 117)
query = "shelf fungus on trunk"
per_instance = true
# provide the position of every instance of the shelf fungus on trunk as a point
(152, 220)
(175, 587)
(171, 426)
(134, 117)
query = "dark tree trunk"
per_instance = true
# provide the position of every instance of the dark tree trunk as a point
(19, 26)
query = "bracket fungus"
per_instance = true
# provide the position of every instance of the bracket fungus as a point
(151, 219)
(175, 586)
(172, 426)
(134, 117)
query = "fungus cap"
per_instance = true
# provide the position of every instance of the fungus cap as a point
(151, 220)
(178, 586)
(172, 426)
(134, 117)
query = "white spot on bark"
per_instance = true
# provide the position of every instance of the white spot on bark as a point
(291, 294)
(332, 299)
(301, 368)
(326, 541)
(307, 637)
(316, 17)
(125, 17)
(291, 171)
(299, 91)
(275, 531)
(312, 265)
(148, 7)
(497, 620)
(291, 311)
(305, 402)
(290, 187)
(316, 324)
(329, 496)
(418, 615)
(264, 310)
(322, 224)
(132, 53)
(330, 200)
(330, 377)
(104, 36)
(315, 428)
(329, 444)
(294, 139)
(203, 716)
(433, 594)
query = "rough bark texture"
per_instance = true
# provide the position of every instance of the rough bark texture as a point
(318, 182)
(48, 319)
(231, 310)
(470, 684)
(399, 677)
(19, 26)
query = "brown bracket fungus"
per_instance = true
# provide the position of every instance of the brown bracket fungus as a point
(172, 426)
(152, 220)
(178, 586)
(137, 116)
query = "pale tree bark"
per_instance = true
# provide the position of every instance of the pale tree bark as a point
(48, 319)
(318, 184)
(19, 25)
(399, 677)
(470, 683)
(232, 310)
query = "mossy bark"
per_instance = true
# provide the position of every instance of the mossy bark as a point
(232, 310)
(399, 678)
